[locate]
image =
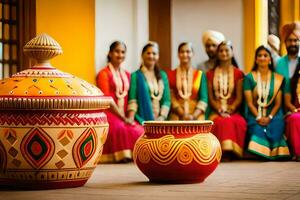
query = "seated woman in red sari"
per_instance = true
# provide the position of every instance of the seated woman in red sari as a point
(114, 82)
(188, 88)
(292, 104)
(225, 92)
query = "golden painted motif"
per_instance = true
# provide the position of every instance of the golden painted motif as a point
(201, 148)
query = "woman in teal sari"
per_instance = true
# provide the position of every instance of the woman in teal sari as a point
(149, 94)
(262, 90)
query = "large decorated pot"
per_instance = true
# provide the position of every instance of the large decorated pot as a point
(177, 151)
(52, 125)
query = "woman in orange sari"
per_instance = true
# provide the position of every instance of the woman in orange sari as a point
(188, 88)
(114, 82)
(225, 92)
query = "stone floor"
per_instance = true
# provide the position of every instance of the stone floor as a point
(231, 180)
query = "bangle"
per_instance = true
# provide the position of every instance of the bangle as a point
(270, 116)
(296, 110)
(258, 117)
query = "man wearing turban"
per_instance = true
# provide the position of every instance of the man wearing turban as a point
(286, 66)
(211, 39)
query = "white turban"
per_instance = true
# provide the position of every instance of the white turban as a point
(215, 36)
(274, 42)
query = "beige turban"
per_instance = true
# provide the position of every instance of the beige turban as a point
(215, 36)
(274, 42)
(288, 29)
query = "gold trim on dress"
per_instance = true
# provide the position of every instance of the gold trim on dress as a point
(229, 145)
(278, 151)
(116, 156)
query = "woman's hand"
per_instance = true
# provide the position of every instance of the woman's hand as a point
(224, 114)
(197, 113)
(188, 117)
(161, 118)
(263, 121)
(231, 109)
(129, 120)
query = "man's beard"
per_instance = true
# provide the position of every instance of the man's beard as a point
(293, 50)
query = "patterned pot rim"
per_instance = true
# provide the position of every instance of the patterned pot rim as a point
(179, 128)
(179, 123)
(55, 103)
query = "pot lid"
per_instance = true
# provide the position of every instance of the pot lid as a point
(45, 87)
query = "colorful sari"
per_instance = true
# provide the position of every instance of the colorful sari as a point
(292, 120)
(198, 98)
(266, 141)
(121, 136)
(230, 131)
(293, 133)
(140, 100)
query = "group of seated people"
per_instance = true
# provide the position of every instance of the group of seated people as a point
(255, 114)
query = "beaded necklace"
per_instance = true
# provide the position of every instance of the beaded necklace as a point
(184, 84)
(223, 84)
(263, 89)
(156, 89)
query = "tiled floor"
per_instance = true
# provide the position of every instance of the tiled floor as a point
(231, 180)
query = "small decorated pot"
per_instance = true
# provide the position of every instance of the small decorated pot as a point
(177, 151)
(52, 125)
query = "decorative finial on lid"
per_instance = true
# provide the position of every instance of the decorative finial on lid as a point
(42, 48)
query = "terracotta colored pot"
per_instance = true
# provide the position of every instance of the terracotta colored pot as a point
(52, 125)
(177, 151)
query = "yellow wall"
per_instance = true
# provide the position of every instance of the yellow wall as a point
(249, 34)
(255, 29)
(72, 24)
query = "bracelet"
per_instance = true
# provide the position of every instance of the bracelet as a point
(296, 110)
(270, 116)
(258, 117)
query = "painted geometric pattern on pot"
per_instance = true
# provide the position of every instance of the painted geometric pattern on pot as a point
(202, 148)
(66, 175)
(85, 147)
(52, 118)
(37, 147)
(11, 138)
(3, 158)
(103, 138)
(64, 137)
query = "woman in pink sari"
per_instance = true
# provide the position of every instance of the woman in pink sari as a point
(225, 93)
(114, 82)
(292, 104)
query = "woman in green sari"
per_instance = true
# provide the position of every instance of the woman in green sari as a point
(149, 94)
(262, 90)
